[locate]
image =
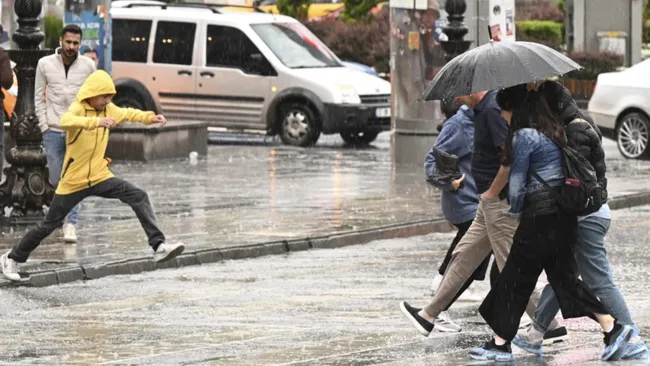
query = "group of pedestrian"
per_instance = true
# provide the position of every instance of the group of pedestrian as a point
(512, 149)
(75, 114)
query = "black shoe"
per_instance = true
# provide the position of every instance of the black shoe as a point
(616, 342)
(491, 352)
(422, 325)
(556, 335)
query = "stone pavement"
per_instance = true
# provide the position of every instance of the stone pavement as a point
(241, 195)
(318, 307)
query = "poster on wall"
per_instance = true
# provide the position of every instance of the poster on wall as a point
(502, 13)
(510, 22)
(94, 19)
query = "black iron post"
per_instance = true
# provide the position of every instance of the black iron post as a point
(27, 187)
(455, 30)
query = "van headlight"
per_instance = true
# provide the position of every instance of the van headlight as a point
(349, 94)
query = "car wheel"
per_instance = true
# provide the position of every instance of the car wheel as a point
(359, 137)
(632, 135)
(129, 99)
(298, 125)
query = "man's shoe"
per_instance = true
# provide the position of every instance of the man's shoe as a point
(556, 333)
(443, 323)
(9, 267)
(637, 350)
(422, 325)
(616, 342)
(167, 251)
(491, 352)
(69, 233)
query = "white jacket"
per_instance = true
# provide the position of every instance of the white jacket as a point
(61, 91)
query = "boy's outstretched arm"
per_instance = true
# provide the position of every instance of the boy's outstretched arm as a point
(134, 115)
(75, 118)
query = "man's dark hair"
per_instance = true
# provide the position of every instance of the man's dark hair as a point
(72, 28)
(90, 50)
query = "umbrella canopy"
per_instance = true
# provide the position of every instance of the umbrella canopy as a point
(497, 65)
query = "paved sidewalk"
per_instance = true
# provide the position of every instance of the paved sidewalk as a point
(241, 195)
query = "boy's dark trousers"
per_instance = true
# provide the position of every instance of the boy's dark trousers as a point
(62, 204)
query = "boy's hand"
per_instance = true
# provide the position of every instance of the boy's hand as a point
(159, 119)
(107, 122)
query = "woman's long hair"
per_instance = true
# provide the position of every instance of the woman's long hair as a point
(529, 110)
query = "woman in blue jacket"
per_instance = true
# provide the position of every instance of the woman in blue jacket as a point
(459, 198)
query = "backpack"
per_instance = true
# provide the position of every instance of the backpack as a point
(580, 195)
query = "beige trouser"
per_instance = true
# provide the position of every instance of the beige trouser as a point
(492, 229)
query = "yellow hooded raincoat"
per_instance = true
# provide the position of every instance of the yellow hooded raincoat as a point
(84, 164)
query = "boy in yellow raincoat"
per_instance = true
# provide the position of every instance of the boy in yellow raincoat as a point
(87, 125)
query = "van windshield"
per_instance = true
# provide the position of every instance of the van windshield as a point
(295, 45)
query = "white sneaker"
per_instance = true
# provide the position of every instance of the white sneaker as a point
(166, 251)
(9, 267)
(443, 323)
(435, 284)
(69, 233)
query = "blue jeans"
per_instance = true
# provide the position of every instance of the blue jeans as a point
(593, 266)
(54, 143)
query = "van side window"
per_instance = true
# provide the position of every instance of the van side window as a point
(174, 43)
(230, 47)
(131, 40)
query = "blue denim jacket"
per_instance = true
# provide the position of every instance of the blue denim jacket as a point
(532, 151)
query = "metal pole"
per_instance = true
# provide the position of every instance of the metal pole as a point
(27, 187)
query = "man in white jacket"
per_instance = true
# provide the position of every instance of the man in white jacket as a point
(58, 79)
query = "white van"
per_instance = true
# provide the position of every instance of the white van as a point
(242, 71)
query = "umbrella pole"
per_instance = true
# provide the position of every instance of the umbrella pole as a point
(489, 32)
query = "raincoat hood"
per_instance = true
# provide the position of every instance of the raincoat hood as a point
(98, 83)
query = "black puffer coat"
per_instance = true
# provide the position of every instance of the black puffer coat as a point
(582, 133)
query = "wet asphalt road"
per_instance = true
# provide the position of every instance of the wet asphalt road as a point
(320, 307)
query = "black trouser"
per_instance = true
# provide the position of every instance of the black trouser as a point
(479, 273)
(62, 204)
(540, 243)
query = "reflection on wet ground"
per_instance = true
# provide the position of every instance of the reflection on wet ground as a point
(244, 194)
(319, 307)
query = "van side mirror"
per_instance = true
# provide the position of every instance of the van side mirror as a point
(259, 65)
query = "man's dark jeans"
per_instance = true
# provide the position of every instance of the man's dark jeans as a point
(62, 204)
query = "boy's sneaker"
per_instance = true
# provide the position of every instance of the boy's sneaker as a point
(436, 283)
(616, 342)
(637, 350)
(167, 251)
(9, 267)
(443, 323)
(69, 233)
(556, 333)
(422, 325)
(491, 352)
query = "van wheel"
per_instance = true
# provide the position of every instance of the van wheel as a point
(359, 137)
(633, 135)
(298, 125)
(127, 98)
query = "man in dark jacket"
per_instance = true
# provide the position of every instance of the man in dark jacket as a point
(590, 253)
(6, 81)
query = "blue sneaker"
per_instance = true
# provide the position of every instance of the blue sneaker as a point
(638, 350)
(616, 342)
(491, 352)
(530, 347)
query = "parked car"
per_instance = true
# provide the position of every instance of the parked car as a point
(620, 106)
(243, 71)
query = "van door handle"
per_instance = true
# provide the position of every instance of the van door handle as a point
(184, 72)
(207, 73)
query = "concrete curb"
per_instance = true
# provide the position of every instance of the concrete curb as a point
(138, 265)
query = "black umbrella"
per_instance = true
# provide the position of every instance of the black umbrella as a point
(497, 65)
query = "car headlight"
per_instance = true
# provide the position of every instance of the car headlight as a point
(349, 94)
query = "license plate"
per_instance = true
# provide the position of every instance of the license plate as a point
(382, 112)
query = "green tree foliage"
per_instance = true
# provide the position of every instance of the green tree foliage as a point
(358, 10)
(294, 8)
(53, 26)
